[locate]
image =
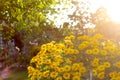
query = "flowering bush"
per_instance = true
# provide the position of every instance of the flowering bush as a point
(77, 58)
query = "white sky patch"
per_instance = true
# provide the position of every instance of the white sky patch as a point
(62, 16)
(112, 7)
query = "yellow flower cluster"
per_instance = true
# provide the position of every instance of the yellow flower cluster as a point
(114, 75)
(77, 58)
(52, 62)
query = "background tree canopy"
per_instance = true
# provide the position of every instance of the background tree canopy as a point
(25, 16)
(24, 13)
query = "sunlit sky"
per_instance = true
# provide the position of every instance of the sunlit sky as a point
(112, 7)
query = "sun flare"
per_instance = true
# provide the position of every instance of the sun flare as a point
(112, 7)
(115, 15)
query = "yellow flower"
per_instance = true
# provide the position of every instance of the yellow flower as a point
(58, 58)
(96, 59)
(85, 42)
(114, 78)
(61, 70)
(36, 72)
(112, 74)
(59, 78)
(75, 66)
(72, 51)
(107, 64)
(72, 37)
(30, 68)
(43, 47)
(118, 74)
(40, 62)
(118, 78)
(48, 61)
(94, 43)
(55, 60)
(111, 49)
(82, 70)
(72, 58)
(76, 78)
(33, 78)
(54, 65)
(33, 60)
(46, 73)
(68, 61)
(82, 46)
(67, 68)
(88, 51)
(101, 68)
(85, 37)
(76, 51)
(53, 74)
(117, 64)
(67, 38)
(68, 42)
(101, 75)
(66, 76)
(103, 52)
(95, 51)
(60, 46)
(77, 73)
(94, 64)
(49, 46)
(57, 51)
(53, 42)
(66, 51)
(94, 71)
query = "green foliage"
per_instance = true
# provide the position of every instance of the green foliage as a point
(14, 74)
(8, 33)
(49, 34)
(24, 12)
(65, 30)
(34, 51)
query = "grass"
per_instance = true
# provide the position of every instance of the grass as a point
(18, 75)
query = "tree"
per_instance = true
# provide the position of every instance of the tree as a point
(24, 12)
(100, 16)
(23, 16)
(81, 15)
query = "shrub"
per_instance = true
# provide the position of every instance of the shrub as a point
(77, 58)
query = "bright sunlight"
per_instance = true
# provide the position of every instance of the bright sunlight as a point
(112, 7)
(113, 10)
